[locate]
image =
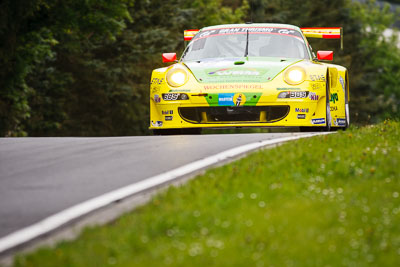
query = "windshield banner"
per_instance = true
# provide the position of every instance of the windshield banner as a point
(251, 30)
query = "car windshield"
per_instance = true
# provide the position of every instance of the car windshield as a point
(231, 43)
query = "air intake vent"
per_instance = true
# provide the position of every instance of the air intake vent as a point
(233, 114)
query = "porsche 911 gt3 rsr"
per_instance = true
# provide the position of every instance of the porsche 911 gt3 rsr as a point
(250, 75)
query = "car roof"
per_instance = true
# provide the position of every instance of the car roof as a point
(276, 25)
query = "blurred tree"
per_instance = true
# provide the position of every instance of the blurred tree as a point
(70, 69)
(393, 1)
(31, 32)
(22, 44)
(106, 82)
(376, 86)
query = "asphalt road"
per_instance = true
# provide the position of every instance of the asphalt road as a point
(42, 176)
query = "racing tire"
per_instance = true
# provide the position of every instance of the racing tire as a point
(346, 105)
(328, 117)
(346, 109)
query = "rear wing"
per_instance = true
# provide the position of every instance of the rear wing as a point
(325, 33)
(321, 32)
(189, 34)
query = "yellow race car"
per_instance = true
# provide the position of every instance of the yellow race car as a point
(250, 75)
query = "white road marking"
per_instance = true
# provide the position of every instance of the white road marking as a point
(53, 222)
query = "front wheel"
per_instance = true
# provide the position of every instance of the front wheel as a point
(328, 117)
(346, 105)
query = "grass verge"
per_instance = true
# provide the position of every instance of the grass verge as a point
(324, 201)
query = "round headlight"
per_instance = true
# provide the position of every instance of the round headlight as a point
(177, 77)
(295, 75)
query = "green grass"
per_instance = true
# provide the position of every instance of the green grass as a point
(324, 201)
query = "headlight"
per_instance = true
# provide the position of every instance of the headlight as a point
(177, 77)
(295, 75)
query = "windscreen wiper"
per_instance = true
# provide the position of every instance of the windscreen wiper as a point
(246, 52)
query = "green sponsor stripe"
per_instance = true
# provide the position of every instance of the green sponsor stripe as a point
(251, 99)
(212, 99)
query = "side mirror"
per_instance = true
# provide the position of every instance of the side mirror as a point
(168, 57)
(325, 55)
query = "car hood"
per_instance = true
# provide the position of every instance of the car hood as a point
(238, 70)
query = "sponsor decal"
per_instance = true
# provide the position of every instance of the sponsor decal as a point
(244, 30)
(318, 121)
(334, 108)
(206, 33)
(301, 110)
(157, 99)
(301, 116)
(155, 89)
(334, 98)
(293, 94)
(239, 99)
(167, 112)
(170, 96)
(298, 94)
(225, 99)
(157, 81)
(340, 122)
(174, 96)
(168, 118)
(317, 85)
(232, 86)
(157, 123)
(235, 72)
(155, 85)
(317, 78)
(313, 96)
(286, 31)
(341, 80)
(231, 99)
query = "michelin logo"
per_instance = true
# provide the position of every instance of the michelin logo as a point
(341, 122)
(318, 121)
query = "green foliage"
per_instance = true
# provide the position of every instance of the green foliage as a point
(336, 206)
(83, 67)
(34, 35)
(306, 14)
(22, 44)
(111, 83)
(376, 87)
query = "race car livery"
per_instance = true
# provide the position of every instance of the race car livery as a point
(250, 75)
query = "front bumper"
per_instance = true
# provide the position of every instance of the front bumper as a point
(283, 114)
(228, 115)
